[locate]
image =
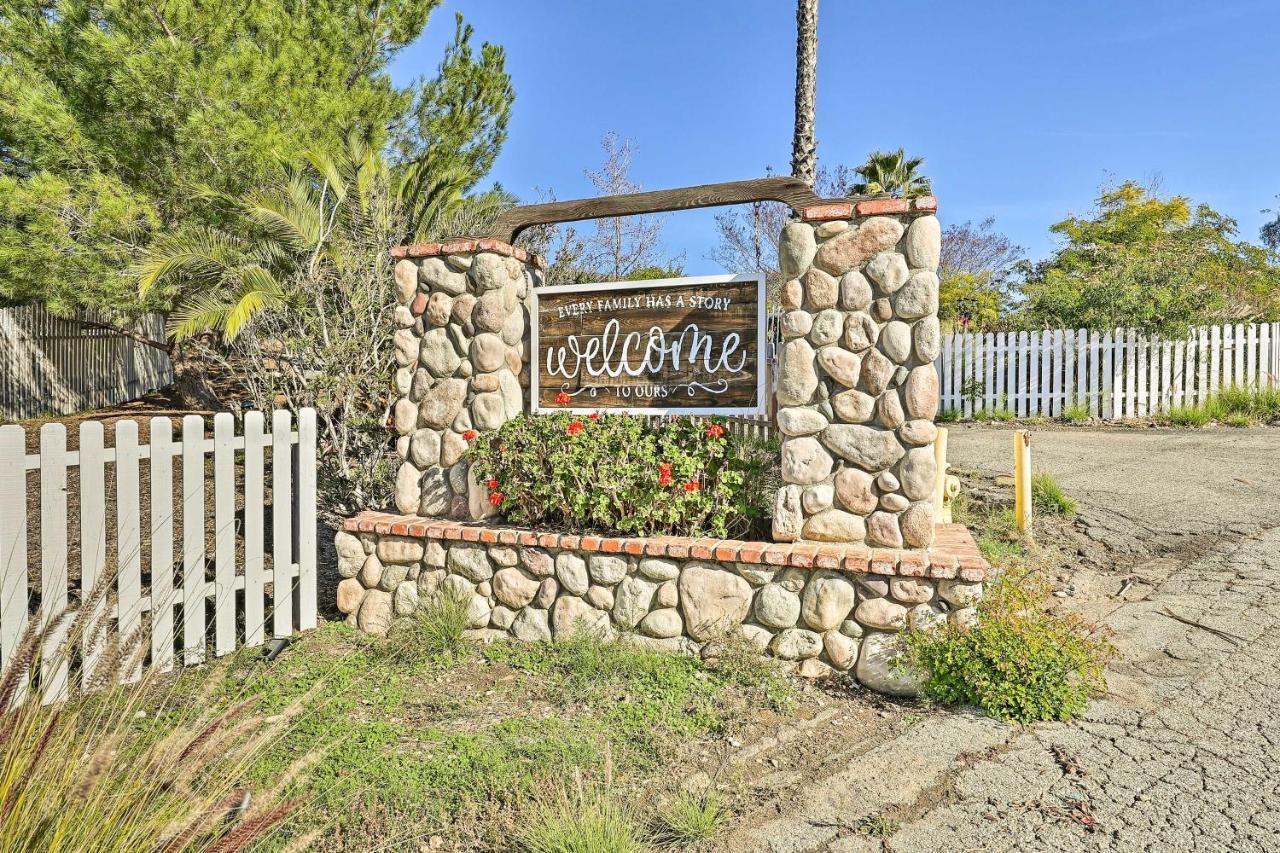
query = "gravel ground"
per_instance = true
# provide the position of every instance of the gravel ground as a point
(1182, 755)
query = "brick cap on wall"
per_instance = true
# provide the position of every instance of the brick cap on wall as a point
(455, 247)
(953, 554)
(869, 207)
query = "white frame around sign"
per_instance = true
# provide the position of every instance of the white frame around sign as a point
(762, 354)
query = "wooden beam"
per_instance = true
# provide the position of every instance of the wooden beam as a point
(790, 191)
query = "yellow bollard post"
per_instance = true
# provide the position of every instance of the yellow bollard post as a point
(940, 483)
(1022, 478)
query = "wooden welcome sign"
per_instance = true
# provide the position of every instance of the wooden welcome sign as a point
(690, 346)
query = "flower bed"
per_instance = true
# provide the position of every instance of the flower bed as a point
(619, 474)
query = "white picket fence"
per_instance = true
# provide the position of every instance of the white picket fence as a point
(56, 364)
(1114, 375)
(178, 594)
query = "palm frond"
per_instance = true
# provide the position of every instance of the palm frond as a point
(200, 257)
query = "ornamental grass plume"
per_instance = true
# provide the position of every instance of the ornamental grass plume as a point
(98, 772)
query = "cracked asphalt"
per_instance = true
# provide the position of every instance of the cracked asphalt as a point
(1184, 755)
(1182, 561)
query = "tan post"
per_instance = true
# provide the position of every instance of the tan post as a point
(1022, 478)
(940, 483)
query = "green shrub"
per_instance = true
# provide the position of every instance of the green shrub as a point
(948, 416)
(616, 473)
(584, 823)
(1047, 496)
(1019, 662)
(688, 818)
(1238, 419)
(1076, 414)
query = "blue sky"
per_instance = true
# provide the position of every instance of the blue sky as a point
(1020, 109)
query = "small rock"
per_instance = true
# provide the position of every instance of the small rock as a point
(918, 297)
(514, 588)
(828, 598)
(501, 617)
(406, 598)
(796, 248)
(855, 291)
(777, 607)
(668, 595)
(921, 392)
(350, 594)
(820, 290)
(924, 243)
(889, 271)
(882, 666)
(375, 612)
(572, 616)
(927, 337)
(805, 461)
(842, 651)
(547, 591)
(877, 371)
(797, 379)
(472, 562)
(853, 491)
(712, 599)
(607, 569)
(571, 571)
(895, 341)
(860, 332)
(537, 561)
(817, 498)
(632, 601)
(841, 365)
(796, 324)
(796, 421)
(960, 594)
(600, 597)
(827, 327)
(532, 626)
(868, 448)
(658, 570)
(796, 644)
(882, 530)
(881, 614)
(918, 432)
(835, 525)
(662, 623)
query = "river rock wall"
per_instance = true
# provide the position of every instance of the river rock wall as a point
(461, 354)
(857, 391)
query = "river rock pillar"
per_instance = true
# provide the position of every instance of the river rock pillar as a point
(461, 354)
(857, 390)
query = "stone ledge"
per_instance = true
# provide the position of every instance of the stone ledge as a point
(868, 207)
(954, 554)
(453, 247)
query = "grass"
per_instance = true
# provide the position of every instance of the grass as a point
(423, 733)
(107, 771)
(1076, 414)
(998, 415)
(588, 822)
(1047, 496)
(689, 818)
(1235, 406)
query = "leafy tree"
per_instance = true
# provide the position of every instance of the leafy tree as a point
(122, 121)
(976, 271)
(1151, 263)
(892, 172)
(1270, 232)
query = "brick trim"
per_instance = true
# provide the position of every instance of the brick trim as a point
(954, 554)
(455, 247)
(868, 207)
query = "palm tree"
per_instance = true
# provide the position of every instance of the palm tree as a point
(304, 224)
(892, 172)
(804, 145)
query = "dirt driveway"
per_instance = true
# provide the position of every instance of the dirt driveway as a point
(1182, 755)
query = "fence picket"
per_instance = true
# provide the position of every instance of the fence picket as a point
(1251, 355)
(281, 534)
(162, 595)
(193, 545)
(1239, 376)
(128, 544)
(53, 560)
(305, 520)
(254, 614)
(224, 535)
(93, 547)
(13, 545)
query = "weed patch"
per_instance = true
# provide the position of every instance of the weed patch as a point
(1047, 496)
(688, 818)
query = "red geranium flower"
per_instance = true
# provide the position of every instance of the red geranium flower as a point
(595, 416)
(469, 434)
(493, 484)
(692, 486)
(563, 398)
(575, 427)
(715, 431)
(664, 474)
(496, 498)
